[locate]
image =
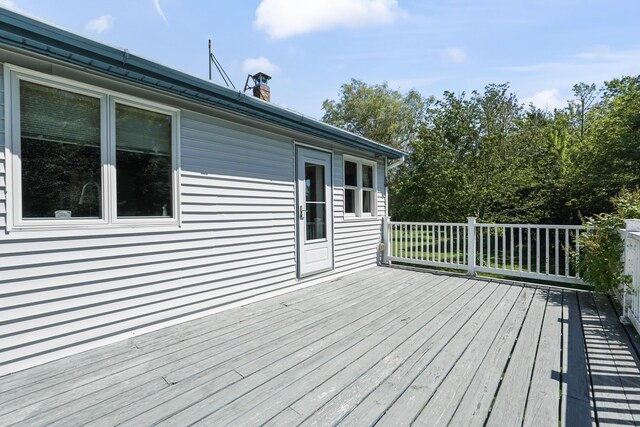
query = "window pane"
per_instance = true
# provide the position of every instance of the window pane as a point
(367, 176)
(315, 220)
(60, 153)
(350, 174)
(314, 182)
(143, 162)
(349, 201)
(315, 202)
(367, 201)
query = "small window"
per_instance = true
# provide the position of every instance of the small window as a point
(359, 188)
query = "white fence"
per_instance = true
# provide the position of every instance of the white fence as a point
(518, 250)
(631, 295)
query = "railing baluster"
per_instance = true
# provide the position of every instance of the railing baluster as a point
(577, 250)
(465, 259)
(495, 247)
(537, 250)
(566, 252)
(504, 248)
(481, 244)
(451, 241)
(488, 246)
(457, 244)
(393, 240)
(520, 248)
(511, 249)
(412, 241)
(439, 243)
(421, 242)
(557, 252)
(429, 242)
(546, 252)
(444, 249)
(406, 241)
(529, 249)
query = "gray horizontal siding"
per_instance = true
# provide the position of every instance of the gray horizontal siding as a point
(61, 295)
(65, 292)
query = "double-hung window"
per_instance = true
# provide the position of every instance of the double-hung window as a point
(85, 156)
(359, 187)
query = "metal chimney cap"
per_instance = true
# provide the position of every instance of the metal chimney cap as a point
(261, 78)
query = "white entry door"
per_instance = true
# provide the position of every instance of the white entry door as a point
(315, 211)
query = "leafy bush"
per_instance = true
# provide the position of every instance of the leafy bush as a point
(599, 261)
(627, 203)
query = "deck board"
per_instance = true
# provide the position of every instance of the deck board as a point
(577, 401)
(447, 396)
(511, 398)
(543, 400)
(385, 346)
(611, 403)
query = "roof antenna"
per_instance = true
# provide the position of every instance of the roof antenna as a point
(213, 60)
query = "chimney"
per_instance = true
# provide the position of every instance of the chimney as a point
(260, 87)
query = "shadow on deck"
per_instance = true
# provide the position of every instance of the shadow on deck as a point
(385, 346)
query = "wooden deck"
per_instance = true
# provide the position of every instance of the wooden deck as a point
(385, 346)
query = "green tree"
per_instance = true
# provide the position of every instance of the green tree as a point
(481, 156)
(376, 112)
(608, 158)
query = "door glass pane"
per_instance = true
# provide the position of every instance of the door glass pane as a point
(367, 176)
(350, 174)
(315, 203)
(143, 162)
(60, 153)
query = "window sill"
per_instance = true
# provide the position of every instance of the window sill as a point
(361, 218)
(87, 230)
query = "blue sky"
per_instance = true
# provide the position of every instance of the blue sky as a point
(541, 47)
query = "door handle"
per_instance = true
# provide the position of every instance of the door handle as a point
(302, 211)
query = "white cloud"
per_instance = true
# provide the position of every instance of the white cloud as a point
(596, 65)
(547, 99)
(254, 65)
(100, 24)
(285, 18)
(9, 4)
(156, 3)
(456, 54)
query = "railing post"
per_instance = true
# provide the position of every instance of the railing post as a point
(471, 245)
(386, 240)
(632, 225)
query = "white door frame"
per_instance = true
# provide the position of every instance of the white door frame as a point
(316, 255)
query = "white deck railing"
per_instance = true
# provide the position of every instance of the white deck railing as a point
(631, 295)
(517, 250)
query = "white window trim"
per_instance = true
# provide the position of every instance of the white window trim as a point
(359, 214)
(12, 77)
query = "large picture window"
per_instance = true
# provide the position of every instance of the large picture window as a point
(359, 187)
(82, 155)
